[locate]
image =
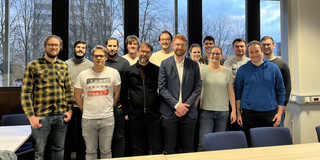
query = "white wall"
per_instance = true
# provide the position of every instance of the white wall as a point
(301, 29)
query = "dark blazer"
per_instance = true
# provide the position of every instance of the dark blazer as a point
(169, 86)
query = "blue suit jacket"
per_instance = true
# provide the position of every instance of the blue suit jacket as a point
(169, 86)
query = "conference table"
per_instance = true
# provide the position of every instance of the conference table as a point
(307, 151)
(12, 137)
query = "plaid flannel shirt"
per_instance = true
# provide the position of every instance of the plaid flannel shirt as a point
(46, 88)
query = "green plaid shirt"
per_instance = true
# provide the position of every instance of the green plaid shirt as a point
(46, 88)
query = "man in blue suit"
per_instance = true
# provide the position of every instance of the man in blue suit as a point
(179, 87)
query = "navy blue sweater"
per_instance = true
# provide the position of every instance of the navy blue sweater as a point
(260, 88)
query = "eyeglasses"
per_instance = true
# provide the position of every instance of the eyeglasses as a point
(180, 45)
(144, 51)
(99, 56)
(266, 45)
(53, 45)
(217, 54)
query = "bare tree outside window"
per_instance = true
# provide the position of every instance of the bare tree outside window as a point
(30, 22)
(94, 21)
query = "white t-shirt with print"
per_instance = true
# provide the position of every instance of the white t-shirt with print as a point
(98, 89)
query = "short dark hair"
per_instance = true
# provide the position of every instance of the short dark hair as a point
(267, 37)
(167, 33)
(79, 42)
(239, 40)
(112, 38)
(209, 38)
(147, 45)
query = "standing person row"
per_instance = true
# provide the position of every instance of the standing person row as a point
(259, 92)
(74, 132)
(217, 91)
(239, 59)
(165, 40)
(132, 43)
(208, 43)
(179, 86)
(195, 53)
(100, 87)
(46, 98)
(120, 64)
(267, 48)
(141, 103)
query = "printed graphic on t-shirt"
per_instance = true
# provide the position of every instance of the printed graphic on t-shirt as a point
(96, 87)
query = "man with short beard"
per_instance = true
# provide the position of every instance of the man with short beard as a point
(140, 101)
(179, 86)
(119, 63)
(239, 48)
(74, 132)
(46, 98)
(165, 40)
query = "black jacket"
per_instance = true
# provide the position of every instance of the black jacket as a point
(140, 99)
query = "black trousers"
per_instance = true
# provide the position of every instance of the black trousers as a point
(253, 119)
(178, 128)
(74, 137)
(146, 134)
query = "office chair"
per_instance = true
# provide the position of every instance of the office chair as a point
(318, 132)
(18, 119)
(270, 136)
(14, 120)
(225, 140)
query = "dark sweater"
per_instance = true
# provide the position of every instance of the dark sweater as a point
(286, 77)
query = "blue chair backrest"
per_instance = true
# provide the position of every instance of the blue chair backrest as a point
(14, 119)
(318, 132)
(225, 140)
(270, 136)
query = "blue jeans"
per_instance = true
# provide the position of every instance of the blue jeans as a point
(98, 131)
(54, 125)
(211, 121)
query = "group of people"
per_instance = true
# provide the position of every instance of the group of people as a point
(159, 95)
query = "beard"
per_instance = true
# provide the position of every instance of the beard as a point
(78, 57)
(143, 61)
(179, 53)
(52, 56)
(112, 55)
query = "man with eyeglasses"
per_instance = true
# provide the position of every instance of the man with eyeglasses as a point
(96, 91)
(46, 98)
(267, 48)
(119, 63)
(140, 101)
(165, 40)
(74, 132)
(179, 86)
(132, 43)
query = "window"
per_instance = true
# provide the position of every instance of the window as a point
(225, 21)
(30, 23)
(271, 23)
(95, 22)
(155, 16)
